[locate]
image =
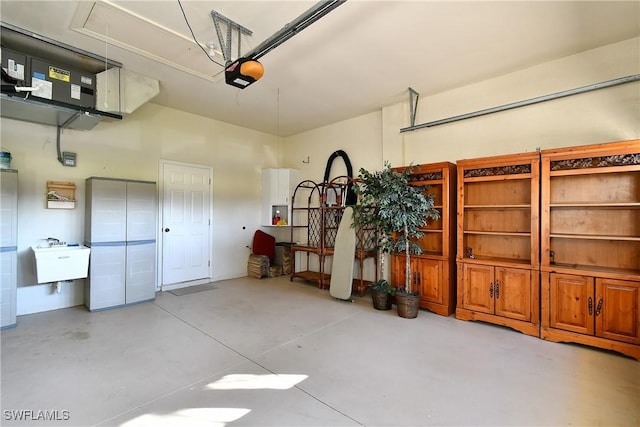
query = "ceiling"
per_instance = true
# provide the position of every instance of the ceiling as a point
(361, 56)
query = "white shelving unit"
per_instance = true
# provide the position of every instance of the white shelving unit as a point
(277, 187)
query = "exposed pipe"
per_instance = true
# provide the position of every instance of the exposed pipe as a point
(570, 92)
(59, 133)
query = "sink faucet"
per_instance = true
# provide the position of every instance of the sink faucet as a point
(53, 240)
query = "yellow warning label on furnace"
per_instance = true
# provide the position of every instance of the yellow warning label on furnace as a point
(59, 74)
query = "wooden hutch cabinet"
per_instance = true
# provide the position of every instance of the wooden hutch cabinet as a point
(433, 272)
(590, 260)
(498, 241)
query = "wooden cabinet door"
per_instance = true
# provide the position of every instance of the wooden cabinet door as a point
(572, 303)
(617, 310)
(428, 274)
(398, 271)
(477, 288)
(512, 293)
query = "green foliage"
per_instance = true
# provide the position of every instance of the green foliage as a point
(382, 286)
(397, 209)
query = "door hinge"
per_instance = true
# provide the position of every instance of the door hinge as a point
(209, 263)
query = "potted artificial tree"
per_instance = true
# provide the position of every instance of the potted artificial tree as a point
(398, 211)
(381, 292)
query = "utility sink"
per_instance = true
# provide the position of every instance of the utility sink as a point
(60, 263)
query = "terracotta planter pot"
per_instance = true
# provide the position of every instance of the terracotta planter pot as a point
(408, 304)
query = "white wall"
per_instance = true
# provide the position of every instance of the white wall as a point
(604, 115)
(611, 114)
(360, 138)
(132, 149)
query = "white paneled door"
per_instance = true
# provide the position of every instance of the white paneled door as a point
(186, 214)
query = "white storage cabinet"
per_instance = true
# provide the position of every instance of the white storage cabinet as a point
(277, 187)
(120, 228)
(8, 246)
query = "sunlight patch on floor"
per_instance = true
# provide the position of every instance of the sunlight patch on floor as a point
(192, 417)
(251, 382)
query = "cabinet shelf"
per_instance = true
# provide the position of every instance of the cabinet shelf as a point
(586, 205)
(595, 237)
(497, 207)
(432, 254)
(498, 233)
(497, 261)
(610, 271)
(61, 195)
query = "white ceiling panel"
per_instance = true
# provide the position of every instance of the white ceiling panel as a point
(361, 56)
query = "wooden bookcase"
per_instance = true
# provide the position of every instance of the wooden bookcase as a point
(434, 271)
(498, 241)
(590, 259)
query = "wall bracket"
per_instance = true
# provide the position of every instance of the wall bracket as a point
(225, 45)
(413, 105)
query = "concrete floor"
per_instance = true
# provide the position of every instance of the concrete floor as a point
(272, 352)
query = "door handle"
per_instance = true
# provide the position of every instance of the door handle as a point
(166, 230)
(599, 307)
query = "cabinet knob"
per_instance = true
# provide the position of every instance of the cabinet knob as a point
(166, 230)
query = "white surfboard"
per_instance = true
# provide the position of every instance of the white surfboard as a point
(343, 258)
